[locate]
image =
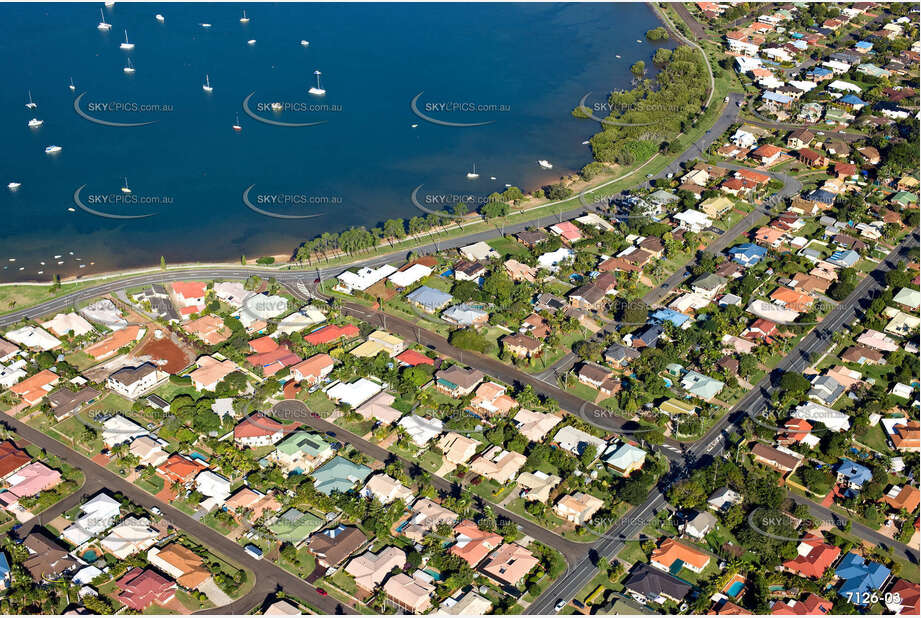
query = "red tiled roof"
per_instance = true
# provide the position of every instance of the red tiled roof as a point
(262, 345)
(255, 426)
(816, 562)
(11, 458)
(413, 358)
(330, 333)
(189, 289)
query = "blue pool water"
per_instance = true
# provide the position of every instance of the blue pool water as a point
(90, 556)
(735, 588)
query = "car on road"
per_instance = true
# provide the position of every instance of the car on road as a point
(559, 605)
(156, 511)
(726, 100)
(322, 592)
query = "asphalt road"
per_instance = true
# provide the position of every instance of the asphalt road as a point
(269, 577)
(714, 442)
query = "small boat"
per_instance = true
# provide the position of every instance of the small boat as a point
(492, 177)
(413, 126)
(244, 19)
(617, 55)
(639, 41)
(35, 123)
(110, 3)
(586, 143)
(130, 68)
(236, 124)
(71, 85)
(472, 175)
(57, 257)
(53, 149)
(13, 186)
(507, 185)
(159, 18)
(545, 164)
(305, 42)
(31, 104)
(205, 25)
(12, 259)
(207, 85)
(251, 42)
(125, 188)
(277, 107)
(42, 272)
(103, 25)
(22, 268)
(317, 90)
(126, 45)
(60, 263)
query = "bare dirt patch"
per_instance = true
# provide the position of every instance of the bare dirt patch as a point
(168, 353)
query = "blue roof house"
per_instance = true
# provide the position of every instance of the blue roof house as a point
(747, 254)
(853, 474)
(670, 315)
(4, 572)
(845, 259)
(429, 299)
(776, 98)
(861, 578)
(852, 101)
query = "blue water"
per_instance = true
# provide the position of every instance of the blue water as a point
(90, 556)
(735, 588)
(199, 456)
(537, 60)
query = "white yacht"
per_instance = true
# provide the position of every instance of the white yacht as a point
(205, 25)
(103, 25)
(244, 19)
(126, 45)
(13, 186)
(52, 149)
(159, 18)
(277, 107)
(472, 175)
(31, 104)
(317, 90)
(35, 123)
(304, 42)
(125, 187)
(207, 85)
(130, 68)
(71, 85)
(251, 42)
(544, 163)
(236, 125)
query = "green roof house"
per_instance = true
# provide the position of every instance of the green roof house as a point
(294, 526)
(340, 474)
(301, 452)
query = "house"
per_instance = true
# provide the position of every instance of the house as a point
(799, 138)
(180, 469)
(339, 474)
(498, 464)
(768, 154)
(465, 604)
(701, 386)
(551, 260)
(68, 324)
(421, 430)
(457, 381)
(509, 564)
(531, 238)
(409, 274)
(47, 558)
(698, 526)
(131, 382)
(466, 315)
(860, 578)
(811, 158)
(780, 459)
(903, 598)
(362, 278)
(521, 346)
(625, 459)
(294, 526)
(479, 251)
(301, 452)
(380, 407)
(852, 474)
(424, 517)
(743, 139)
(747, 254)
(905, 498)
(411, 358)
(672, 553)
(833, 420)
(675, 407)
(271, 357)
(28, 481)
(306, 316)
(647, 336)
(457, 449)
(716, 207)
(429, 299)
(693, 220)
(209, 328)
(119, 429)
(115, 342)
(141, 588)
(65, 402)
(724, 499)
(130, 536)
(386, 489)
(619, 356)
(12, 458)
(576, 441)
(314, 369)
(811, 605)
(466, 270)
(676, 318)
(258, 430)
(648, 584)
(331, 333)
(536, 486)
(33, 338)
(157, 298)
(189, 293)
(825, 389)
(708, 285)
(903, 435)
(34, 388)
(410, 594)
(593, 374)
(211, 372)
(587, 296)
(877, 340)
(379, 341)
(567, 231)
(535, 425)
(370, 570)
(255, 502)
(578, 508)
(333, 545)
(180, 563)
(472, 544)
(862, 355)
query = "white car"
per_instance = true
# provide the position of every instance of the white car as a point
(559, 606)
(726, 100)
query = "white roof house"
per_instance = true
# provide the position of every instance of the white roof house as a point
(814, 412)
(232, 292)
(693, 220)
(386, 489)
(33, 337)
(421, 430)
(64, 323)
(363, 278)
(213, 485)
(304, 317)
(96, 515)
(261, 307)
(772, 312)
(354, 394)
(575, 440)
(551, 260)
(119, 429)
(405, 278)
(132, 535)
(845, 86)
(478, 252)
(908, 297)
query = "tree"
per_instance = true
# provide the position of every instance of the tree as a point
(638, 68)
(162, 263)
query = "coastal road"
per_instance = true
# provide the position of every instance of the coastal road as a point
(269, 577)
(714, 443)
